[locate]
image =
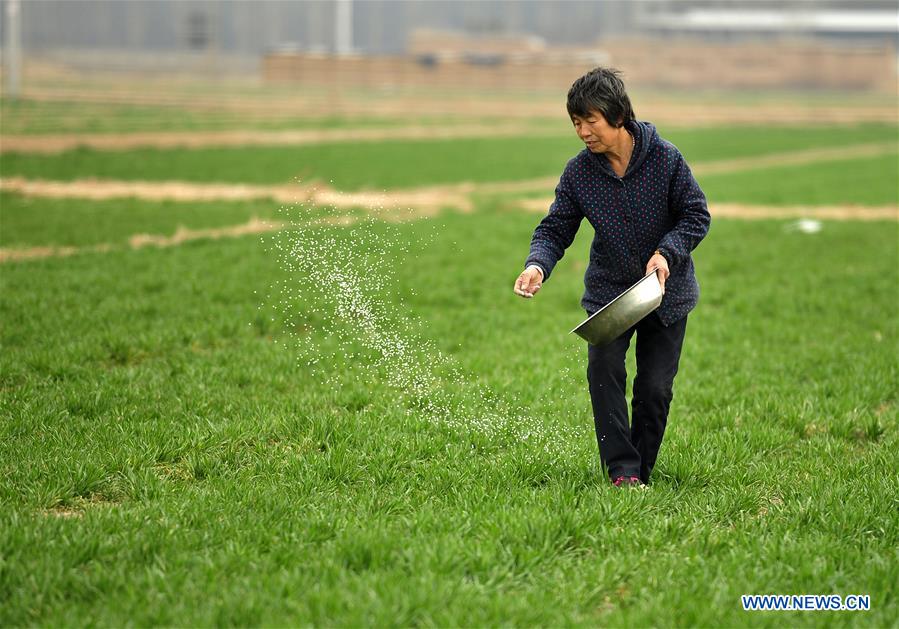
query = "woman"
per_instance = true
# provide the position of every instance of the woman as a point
(649, 213)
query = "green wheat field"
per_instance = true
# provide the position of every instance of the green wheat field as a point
(180, 444)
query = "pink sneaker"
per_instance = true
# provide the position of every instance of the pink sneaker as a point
(627, 481)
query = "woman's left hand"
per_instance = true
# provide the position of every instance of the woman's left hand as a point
(660, 264)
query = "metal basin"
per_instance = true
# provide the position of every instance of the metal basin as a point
(613, 320)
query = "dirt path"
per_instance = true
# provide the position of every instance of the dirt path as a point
(138, 241)
(48, 144)
(824, 212)
(426, 200)
(329, 103)
(405, 204)
(257, 226)
(756, 212)
(796, 158)
(57, 143)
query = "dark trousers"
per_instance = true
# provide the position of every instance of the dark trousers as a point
(632, 450)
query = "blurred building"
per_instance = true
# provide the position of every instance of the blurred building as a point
(654, 41)
(764, 44)
(860, 21)
(254, 27)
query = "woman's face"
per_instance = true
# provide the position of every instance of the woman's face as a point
(596, 132)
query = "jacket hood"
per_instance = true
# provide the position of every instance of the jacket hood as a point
(645, 137)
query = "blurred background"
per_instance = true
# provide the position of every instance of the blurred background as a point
(244, 99)
(277, 57)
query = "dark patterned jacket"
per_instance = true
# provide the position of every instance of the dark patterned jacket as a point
(657, 204)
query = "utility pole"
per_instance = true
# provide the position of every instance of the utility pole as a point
(343, 27)
(12, 60)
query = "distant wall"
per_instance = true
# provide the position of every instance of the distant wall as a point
(648, 63)
(253, 27)
(773, 64)
(412, 72)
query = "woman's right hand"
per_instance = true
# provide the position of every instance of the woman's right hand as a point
(529, 282)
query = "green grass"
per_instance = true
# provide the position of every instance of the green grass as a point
(27, 221)
(169, 456)
(216, 480)
(348, 166)
(36, 117)
(861, 181)
(31, 117)
(728, 142)
(398, 164)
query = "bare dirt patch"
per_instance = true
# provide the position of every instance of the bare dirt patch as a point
(77, 507)
(257, 226)
(196, 139)
(101, 189)
(758, 212)
(426, 200)
(37, 253)
(405, 204)
(57, 143)
(61, 512)
(827, 212)
(138, 241)
(333, 101)
(183, 234)
(795, 158)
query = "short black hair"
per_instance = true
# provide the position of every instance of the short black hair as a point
(602, 90)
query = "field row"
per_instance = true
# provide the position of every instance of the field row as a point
(65, 103)
(114, 215)
(405, 163)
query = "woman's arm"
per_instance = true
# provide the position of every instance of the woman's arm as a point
(687, 204)
(557, 230)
